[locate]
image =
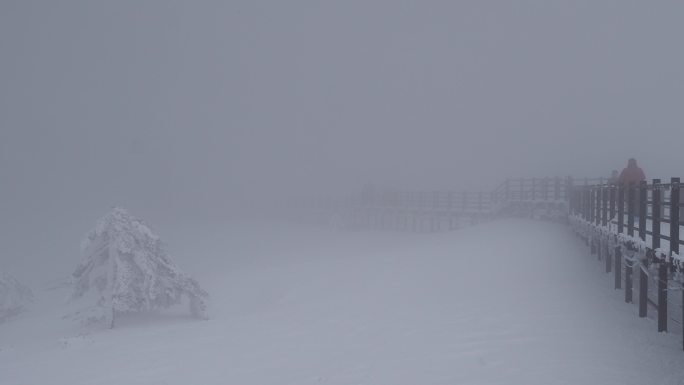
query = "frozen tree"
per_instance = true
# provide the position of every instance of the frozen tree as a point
(13, 296)
(127, 270)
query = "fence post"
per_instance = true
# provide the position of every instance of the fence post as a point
(662, 297)
(643, 209)
(630, 232)
(591, 205)
(618, 267)
(674, 215)
(569, 189)
(656, 198)
(583, 202)
(663, 276)
(630, 209)
(534, 187)
(621, 208)
(585, 208)
(597, 215)
(597, 219)
(587, 216)
(628, 280)
(597, 205)
(613, 193)
(604, 206)
(604, 222)
(674, 247)
(674, 234)
(643, 277)
(643, 291)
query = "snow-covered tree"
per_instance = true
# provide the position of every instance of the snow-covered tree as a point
(13, 296)
(127, 270)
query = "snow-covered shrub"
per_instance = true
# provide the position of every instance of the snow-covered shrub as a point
(13, 297)
(126, 268)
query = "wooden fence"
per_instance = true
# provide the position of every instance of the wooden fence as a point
(429, 211)
(632, 227)
(637, 226)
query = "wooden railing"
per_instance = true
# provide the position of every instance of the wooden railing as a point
(630, 227)
(621, 206)
(637, 226)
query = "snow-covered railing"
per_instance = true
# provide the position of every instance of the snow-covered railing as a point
(422, 211)
(627, 224)
(536, 189)
(619, 206)
(606, 215)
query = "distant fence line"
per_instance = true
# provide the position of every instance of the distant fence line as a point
(521, 189)
(429, 211)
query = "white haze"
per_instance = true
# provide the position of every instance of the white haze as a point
(187, 110)
(198, 115)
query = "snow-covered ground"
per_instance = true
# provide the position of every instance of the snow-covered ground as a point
(295, 305)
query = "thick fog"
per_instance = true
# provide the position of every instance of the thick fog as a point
(213, 121)
(186, 110)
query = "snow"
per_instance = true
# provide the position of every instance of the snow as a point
(298, 305)
(124, 261)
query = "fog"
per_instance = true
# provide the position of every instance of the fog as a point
(194, 114)
(182, 110)
(180, 107)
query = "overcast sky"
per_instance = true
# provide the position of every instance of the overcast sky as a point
(173, 108)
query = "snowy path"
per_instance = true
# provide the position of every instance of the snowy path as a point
(314, 307)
